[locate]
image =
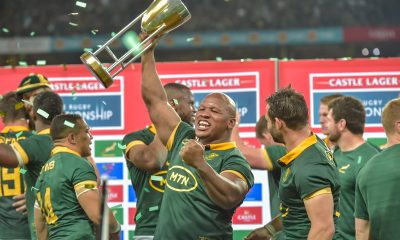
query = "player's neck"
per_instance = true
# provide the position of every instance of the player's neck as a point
(349, 141)
(19, 122)
(293, 138)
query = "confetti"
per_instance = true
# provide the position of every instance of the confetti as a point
(42, 113)
(176, 102)
(138, 216)
(78, 86)
(74, 98)
(94, 31)
(120, 146)
(146, 190)
(22, 171)
(5, 30)
(73, 14)
(69, 124)
(40, 62)
(23, 63)
(33, 188)
(19, 134)
(80, 4)
(190, 39)
(104, 103)
(73, 92)
(19, 105)
(359, 159)
(73, 24)
(117, 206)
(99, 46)
(218, 59)
(131, 41)
(88, 49)
(156, 178)
(152, 209)
(112, 34)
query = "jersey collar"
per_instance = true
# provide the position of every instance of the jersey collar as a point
(292, 155)
(221, 146)
(44, 132)
(14, 129)
(61, 149)
(152, 128)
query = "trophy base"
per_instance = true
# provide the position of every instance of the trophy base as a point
(97, 69)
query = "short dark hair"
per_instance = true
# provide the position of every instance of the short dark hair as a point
(176, 86)
(390, 115)
(290, 106)
(328, 98)
(261, 127)
(61, 126)
(11, 108)
(51, 103)
(351, 110)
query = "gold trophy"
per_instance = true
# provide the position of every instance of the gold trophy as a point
(161, 17)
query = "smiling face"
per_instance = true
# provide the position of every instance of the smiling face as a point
(215, 119)
(323, 115)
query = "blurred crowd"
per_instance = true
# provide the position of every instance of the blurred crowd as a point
(46, 17)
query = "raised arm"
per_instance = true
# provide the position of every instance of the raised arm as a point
(161, 113)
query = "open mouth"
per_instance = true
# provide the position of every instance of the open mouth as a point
(203, 125)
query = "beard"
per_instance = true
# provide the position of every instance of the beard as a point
(276, 134)
(334, 137)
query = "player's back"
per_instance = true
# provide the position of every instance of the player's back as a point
(57, 198)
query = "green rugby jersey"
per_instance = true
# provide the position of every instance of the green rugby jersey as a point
(307, 171)
(13, 225)
(272, 154)
(377, 194)
(61, 179)
(349, 164)
(149, 188)
(34, 152)
(187, 212)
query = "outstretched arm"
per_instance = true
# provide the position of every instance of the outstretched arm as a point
(161, 113)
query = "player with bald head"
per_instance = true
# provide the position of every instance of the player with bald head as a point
(208, 178)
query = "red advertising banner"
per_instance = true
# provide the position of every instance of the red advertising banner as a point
(371, 34)
(373, 81)
(248, 215)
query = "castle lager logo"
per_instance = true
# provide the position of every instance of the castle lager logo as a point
(247, 215)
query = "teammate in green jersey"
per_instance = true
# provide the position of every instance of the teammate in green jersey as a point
(146, 161)
(13, 224)
(68, 200)
(207, 179)
(323, 115)
(33, 152)
(265, 158)
(309, 184)
(377, 205)
(345, 123)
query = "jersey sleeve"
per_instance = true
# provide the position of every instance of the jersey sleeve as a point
(182, 131)
(33, 149)
(314, 179)
(274, 153)
(360, 207)
(82, 175)
(137, 138)
(237, 165)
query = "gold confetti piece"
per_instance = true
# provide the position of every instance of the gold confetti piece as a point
(80, 4)
(5, 30)
(152, 209)
(73, 24)
(69, 124)
(218, 59)
(42, 113)
(73, 14)
(156, 178)
(23, 63)
(190, 39)
(27, 102)
(22, 171)
(19, 105)
(32, 34)
(40, 62)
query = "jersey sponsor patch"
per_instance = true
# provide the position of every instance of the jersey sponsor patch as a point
(180, 179)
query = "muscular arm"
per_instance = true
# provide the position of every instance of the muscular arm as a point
(161, 113)
(320, 212)
(226, 189)
(96, 171)
(148, 157)
(362, 229)
(8, 158)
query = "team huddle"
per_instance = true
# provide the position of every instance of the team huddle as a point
(340, 187)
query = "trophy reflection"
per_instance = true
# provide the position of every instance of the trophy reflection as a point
(161, 17)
